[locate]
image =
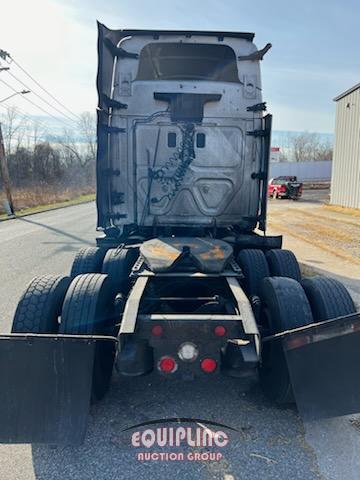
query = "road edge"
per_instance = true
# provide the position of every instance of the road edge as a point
(61, 205)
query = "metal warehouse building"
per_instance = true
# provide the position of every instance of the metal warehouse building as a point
(345, 178)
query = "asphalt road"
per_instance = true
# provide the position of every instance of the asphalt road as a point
(270, 444)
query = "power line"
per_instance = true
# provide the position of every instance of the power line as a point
(33, 103)
(52, 138)
(43, 88)
(39, 96)
(26, 116)
(39, 123)
(22, 128)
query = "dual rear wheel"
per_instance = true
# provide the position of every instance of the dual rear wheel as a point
(288, 304)
(82, 306)
(256, 265)
(114, 262)
(287, 301)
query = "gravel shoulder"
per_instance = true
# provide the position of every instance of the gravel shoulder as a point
(324, 240)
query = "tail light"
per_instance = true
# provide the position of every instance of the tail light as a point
(208, 365)
(167, 365)
(157, 330)
(220, 331)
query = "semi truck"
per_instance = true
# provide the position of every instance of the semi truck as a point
(184, 282)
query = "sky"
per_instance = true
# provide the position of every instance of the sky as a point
(315, 53)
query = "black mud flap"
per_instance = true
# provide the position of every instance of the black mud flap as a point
(45, 387)
(323, 361)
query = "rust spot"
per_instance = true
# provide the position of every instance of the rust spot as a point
(163, 252)
(215, 253)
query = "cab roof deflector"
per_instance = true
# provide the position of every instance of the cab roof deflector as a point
(188, 33)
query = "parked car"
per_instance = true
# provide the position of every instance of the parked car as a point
(285, 187)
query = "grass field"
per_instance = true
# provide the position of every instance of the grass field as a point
(89, 197)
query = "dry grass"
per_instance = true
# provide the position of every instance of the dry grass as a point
(325, 217)
(324, 232)
(51, 206)
(354, 212)
(315, 241)
(30, 198)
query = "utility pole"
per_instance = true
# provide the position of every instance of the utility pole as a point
(4, 170)
(5, 174)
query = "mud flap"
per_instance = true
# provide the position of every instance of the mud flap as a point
(323, 361)
(45, 387)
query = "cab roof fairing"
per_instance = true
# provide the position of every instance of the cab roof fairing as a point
(109, 39)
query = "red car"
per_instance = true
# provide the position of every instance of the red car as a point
(285, 187)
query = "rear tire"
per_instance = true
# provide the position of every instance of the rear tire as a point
(117, 265)
(285, 306)
(89, 310)
(328, 298)
(255, 268)
(283, 263)
(40, 305)
(88, 260)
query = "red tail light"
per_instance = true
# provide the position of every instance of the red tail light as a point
(208, 365)
(220, 331)
(157, 330)
(167, 365)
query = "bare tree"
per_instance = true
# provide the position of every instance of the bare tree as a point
(13, 131)
(308, 146)
(80, 146)
(87, 127)
(324, 151)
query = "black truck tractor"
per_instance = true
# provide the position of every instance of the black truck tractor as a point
(183, 281)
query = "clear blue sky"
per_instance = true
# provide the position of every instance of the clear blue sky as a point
(315, 52)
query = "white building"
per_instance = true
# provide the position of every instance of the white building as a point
(345, 179)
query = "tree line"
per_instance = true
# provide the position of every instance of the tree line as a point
(35, 157)
(305, 147)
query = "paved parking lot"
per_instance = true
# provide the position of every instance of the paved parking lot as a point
(271, 443)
